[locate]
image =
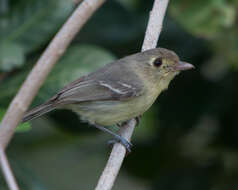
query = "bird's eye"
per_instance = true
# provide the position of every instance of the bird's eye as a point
(158, 62)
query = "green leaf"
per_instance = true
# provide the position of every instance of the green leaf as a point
(11, 56)
(3, 6)
(30, 24)
(204, 18)
(24, 127)
(78, 61)
(2, 112)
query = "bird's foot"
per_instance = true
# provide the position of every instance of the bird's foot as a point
(123, 141)
(117, 138)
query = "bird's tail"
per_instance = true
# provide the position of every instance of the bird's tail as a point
(38, 111)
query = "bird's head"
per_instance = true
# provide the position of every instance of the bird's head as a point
(160, 65)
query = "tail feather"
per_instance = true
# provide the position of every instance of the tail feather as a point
(38, 111)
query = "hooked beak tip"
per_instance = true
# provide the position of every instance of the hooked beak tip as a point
(182, 66)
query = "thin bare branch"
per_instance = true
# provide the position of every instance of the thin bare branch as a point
(155, 24)
(116, 158)
(118, 153)
(7, 171)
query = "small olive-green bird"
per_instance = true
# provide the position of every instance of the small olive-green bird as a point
(119, 91)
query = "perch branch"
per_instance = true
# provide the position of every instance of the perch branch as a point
(37, 76)
(10, 179)
(118, 153)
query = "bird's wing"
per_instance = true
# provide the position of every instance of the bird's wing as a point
(106, 83)
(96, 90)
(83, 90)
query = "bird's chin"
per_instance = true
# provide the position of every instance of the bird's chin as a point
(170, 74)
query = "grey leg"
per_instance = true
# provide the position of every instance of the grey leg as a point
(117, 137)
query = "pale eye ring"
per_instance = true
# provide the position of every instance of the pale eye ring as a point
(158, 62)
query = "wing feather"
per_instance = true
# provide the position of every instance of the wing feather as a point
(99, 86)
(96, 91)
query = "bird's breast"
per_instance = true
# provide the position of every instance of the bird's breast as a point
(109, 113)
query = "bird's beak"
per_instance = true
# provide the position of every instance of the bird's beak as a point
(182, 66)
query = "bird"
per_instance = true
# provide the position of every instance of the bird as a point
(117, 92)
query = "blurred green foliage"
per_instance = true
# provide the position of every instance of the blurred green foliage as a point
(187, 140)
(26, 25)
(215, 20)
(79, 60)
(194, 16)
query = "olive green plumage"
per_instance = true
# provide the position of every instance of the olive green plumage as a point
(119, 91)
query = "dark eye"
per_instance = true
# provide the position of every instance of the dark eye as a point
(158, 62)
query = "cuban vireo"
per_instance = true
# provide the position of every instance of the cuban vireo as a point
(119, 91)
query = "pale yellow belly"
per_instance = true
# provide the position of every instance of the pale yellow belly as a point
(108, 113)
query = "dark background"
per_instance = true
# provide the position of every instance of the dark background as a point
(187, 140)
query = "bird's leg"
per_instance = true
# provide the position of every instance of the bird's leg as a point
(117, 137)
(138, 118)
(121, 124)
